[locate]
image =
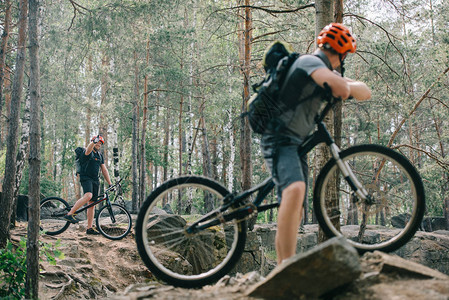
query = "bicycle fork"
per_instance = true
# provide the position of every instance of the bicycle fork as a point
(351, 179)
(110, 210)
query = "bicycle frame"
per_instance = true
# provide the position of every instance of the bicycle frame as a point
(104, 197)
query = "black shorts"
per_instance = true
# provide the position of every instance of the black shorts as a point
(282, 158)
(90, 186)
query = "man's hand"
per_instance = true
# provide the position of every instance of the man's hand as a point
(96, 139)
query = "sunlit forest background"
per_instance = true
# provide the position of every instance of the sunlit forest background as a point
(162, 81)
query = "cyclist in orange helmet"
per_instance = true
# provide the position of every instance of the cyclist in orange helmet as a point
(92, 161)
(303, 90)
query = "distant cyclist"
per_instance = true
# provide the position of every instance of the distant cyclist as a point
(91, 161)
(305, 82)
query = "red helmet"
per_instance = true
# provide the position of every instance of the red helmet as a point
(338, 37)
(100, 139)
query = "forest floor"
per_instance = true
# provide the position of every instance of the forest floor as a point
(96, 267)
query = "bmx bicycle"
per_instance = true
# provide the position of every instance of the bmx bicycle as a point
(113, 220)
(357, 194)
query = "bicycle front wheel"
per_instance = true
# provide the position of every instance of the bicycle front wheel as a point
(52, 211)
(183, 257)
(114, 222)
(393, 211)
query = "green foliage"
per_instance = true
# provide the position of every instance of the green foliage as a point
(2, 161)
(51, 251)
(13, 266)
(13, 270)
(48, 185)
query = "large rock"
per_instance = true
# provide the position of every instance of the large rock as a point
(254, 257)
(434, 223)
(395, 264)
(429, 249)
(22, 208)
(311, 274)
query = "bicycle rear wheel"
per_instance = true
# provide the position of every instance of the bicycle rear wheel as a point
(52, 211)
(386, 221)
(181, 258)
(114, 222)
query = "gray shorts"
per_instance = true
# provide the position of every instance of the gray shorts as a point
(282, 158)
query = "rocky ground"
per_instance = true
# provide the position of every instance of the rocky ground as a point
(95, 267)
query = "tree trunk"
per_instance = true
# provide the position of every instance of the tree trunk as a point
(21, 156)
(135, 142)
(115, 153)
(214, 155)
(103, 116)
(192, 83)
(3, 50)
(338, 110)
(446, 204)
(32, 275)
(245, 39)
(88, 106)
(156, 132)
(324, 15)
(207, 166)
(7, 107)
(6, 199)
(231, 129)
(165, 148)
(246, 131)
(143, 133)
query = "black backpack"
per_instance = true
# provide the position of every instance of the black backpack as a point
(78, 166)
(81, 167)
(264, 107)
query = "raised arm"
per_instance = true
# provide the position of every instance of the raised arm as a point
(89, 148)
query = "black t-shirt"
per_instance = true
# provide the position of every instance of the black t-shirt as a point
(94, 160)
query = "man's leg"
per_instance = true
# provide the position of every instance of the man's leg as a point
(83, 200)
(289, 219)
(90, 215)
(91, 210)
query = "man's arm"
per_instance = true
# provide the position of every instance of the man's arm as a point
(342, 87)
(89, 148)
(105, 172)
(359, 90)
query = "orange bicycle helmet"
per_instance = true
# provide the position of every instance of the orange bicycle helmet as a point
(338, 37)
(100, 139)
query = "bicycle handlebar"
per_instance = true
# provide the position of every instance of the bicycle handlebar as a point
(112, 187)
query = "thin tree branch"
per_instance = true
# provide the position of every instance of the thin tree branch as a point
(380, 58)
(442, 164)
(76, 8)
(439, 101)
(274, 11)
(270, 11)
(424, 96)
(388, 34)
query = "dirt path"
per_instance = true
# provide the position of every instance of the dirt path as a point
(93, 266)
(98, 268)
